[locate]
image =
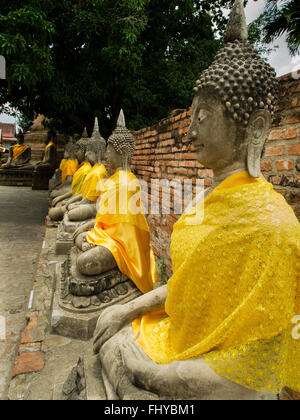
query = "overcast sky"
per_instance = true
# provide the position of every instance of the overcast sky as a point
(280, 59)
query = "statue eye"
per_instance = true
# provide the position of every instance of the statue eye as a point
(203, 114)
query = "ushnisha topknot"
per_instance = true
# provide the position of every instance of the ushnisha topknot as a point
(121, 139)
(97, 143)
(243, 81)
(83, 141)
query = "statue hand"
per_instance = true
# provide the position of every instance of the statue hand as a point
(79, 231)
(55, 201)
(109, 323)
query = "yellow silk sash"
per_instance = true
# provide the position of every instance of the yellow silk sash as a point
(46, 148)
(79, 177)
(18, 150)
(69, 169)
(235, 291)
(127, 235)
(93, 185)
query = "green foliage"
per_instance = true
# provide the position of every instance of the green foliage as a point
(73, 59)
(162, 270)
(281, 19)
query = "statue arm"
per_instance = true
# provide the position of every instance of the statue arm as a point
(61, 198)
(112, 320)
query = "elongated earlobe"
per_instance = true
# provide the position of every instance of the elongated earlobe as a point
(257, 134)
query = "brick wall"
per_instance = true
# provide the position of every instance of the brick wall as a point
(163, 152)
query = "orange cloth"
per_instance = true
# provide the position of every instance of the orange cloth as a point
(93, 183)
(125, 234)
(79, 177)
(69, 169)
(18, 150)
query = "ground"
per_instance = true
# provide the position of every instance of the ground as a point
(22, 230)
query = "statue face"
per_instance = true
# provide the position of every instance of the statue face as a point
(79, 153)
(113, 158)
(214, 133)
(91, 157)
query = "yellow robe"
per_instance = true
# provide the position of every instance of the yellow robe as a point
(69, 169)
(46, 148)
(62, 165)
(235, 291)
(93, 183)
(18, 150)
(79, 177)
(125, 234)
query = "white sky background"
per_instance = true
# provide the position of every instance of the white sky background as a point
(280, 59)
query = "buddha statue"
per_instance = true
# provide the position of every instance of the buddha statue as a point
(69, 167)
(19, 155)
(44, 170)
(83, 204)
(222, 327)
(117, 242)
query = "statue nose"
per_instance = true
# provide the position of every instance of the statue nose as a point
(192, 134)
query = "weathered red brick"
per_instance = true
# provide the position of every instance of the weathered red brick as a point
(266, 166)
(28, 362)
(276, 151)
(284, 165)
(290, 133)
(294, 150)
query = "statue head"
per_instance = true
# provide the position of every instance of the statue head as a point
(20, 138)
(121, 146)
(70, 151)
(234, 103)
(96, 146)
(81, 145)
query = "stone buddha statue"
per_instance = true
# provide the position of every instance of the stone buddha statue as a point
(118, 241)
(222, 327)
(63, 177)
(81, 172)
(19, 155)
(82, 204)
(45, 169)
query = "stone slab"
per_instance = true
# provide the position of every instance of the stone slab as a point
(16, 177)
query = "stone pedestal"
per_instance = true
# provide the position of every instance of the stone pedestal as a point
(79, 300)
(16, 177)
(64, 240)
(40, 180)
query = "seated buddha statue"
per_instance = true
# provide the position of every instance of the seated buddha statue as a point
(56, 180)
(222, 327)
(118, 238)
(69, 168)
(45, 169)
(82, 202)
(83, 206)
(19, 155)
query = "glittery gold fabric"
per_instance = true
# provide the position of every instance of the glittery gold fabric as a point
(235, 289)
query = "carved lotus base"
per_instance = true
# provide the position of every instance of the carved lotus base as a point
(79, 300)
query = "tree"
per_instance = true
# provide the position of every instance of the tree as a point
(279, 19)
(73, 59)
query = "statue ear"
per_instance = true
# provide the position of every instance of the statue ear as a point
(256, 135)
